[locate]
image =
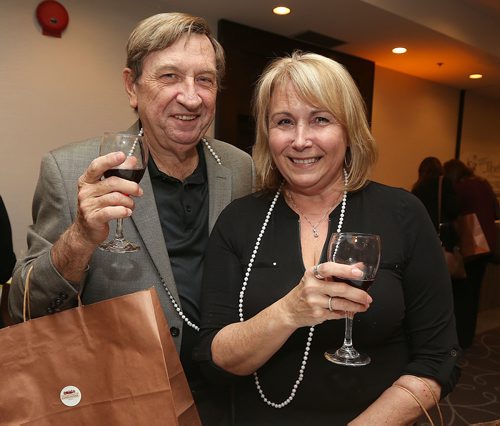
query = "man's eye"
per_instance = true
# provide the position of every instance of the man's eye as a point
(168, 76)
(206, 81)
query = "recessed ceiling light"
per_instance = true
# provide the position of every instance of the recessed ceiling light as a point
(475, 76)
(399, 50)
(281, 10)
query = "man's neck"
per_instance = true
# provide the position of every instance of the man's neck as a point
(178, 165)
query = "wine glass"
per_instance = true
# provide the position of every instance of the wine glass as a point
(132, 168)
(362, 251)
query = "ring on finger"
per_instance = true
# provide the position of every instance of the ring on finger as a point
(330, 308)
(317, 274)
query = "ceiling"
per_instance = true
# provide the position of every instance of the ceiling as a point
(446, 39)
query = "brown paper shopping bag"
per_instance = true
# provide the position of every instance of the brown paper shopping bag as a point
(109, 363)
(472, 239)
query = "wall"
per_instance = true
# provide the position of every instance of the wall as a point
(412, 119)
(481, 137)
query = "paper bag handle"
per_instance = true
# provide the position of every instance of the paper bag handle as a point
(26, 298)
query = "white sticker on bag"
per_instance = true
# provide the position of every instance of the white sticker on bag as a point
(70, 396)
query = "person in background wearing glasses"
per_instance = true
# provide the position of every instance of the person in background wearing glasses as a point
(173, 72)
(268, 313)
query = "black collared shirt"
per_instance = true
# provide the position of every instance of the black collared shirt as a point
(183, 211)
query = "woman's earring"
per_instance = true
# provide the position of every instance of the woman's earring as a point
(348, 159)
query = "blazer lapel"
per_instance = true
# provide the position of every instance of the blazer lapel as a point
(148, 225)
(219, 187)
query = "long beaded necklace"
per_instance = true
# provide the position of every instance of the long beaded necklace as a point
(311, 329)
(172, 299)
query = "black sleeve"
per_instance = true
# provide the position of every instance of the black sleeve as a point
(7, 256)
(429, 317)
(222, 280)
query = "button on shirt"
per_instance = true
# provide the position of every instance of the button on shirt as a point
(183, 211)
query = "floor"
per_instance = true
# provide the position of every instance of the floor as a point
(488, 319)
(476, 398)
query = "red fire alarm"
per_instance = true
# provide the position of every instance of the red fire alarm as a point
(53, 17)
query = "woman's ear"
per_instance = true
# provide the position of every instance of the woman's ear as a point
(128, 81)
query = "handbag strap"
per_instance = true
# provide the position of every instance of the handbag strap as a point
(26, 298)
(440, 196)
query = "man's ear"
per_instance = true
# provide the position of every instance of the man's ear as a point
(128, 81)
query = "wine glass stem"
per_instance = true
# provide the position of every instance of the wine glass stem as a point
(348, 329)
(119, 229)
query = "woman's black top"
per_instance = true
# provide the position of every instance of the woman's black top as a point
(409, 328)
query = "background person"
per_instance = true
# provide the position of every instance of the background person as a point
(174, 68)
(475, 195)
(311, 126)
(8, 259)
(426, 188)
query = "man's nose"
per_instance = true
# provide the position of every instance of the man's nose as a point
(188, 94)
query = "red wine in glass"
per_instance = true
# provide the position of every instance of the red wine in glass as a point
(362, 284)
(133, 169)
(128, 174)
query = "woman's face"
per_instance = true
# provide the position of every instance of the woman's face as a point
(307, 143)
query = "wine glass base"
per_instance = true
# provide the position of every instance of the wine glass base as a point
(350, 357)
(119, 246)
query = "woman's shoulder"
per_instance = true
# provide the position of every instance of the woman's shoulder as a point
(242, 216)
(393, 199)
(377, 189)
(249, 204)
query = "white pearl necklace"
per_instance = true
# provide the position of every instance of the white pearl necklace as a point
(172, 299)
(311, 329)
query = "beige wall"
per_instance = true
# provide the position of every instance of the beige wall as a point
(481, 137)
(55, 91)
(412, 119)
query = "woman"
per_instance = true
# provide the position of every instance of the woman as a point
(475, 195)
(266, 307)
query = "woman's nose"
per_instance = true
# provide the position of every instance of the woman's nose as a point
(302, 138)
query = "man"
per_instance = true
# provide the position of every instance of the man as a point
(174, 68)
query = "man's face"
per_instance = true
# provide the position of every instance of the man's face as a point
(176, 93)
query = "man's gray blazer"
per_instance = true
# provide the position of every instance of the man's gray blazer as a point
(110, 275)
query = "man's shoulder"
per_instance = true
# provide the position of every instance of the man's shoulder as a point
(228, 151)
(86, 145)
(75, 152)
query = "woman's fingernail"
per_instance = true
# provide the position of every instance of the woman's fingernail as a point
(357, 272)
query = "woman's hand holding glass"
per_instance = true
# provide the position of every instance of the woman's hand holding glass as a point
(309, 302)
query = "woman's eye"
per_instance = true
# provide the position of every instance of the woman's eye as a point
(322, 120)
(284, 122)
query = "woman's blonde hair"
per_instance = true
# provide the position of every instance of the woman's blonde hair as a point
(164, 29)
(326, 84)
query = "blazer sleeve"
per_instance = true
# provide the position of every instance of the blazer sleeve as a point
(49, 291)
